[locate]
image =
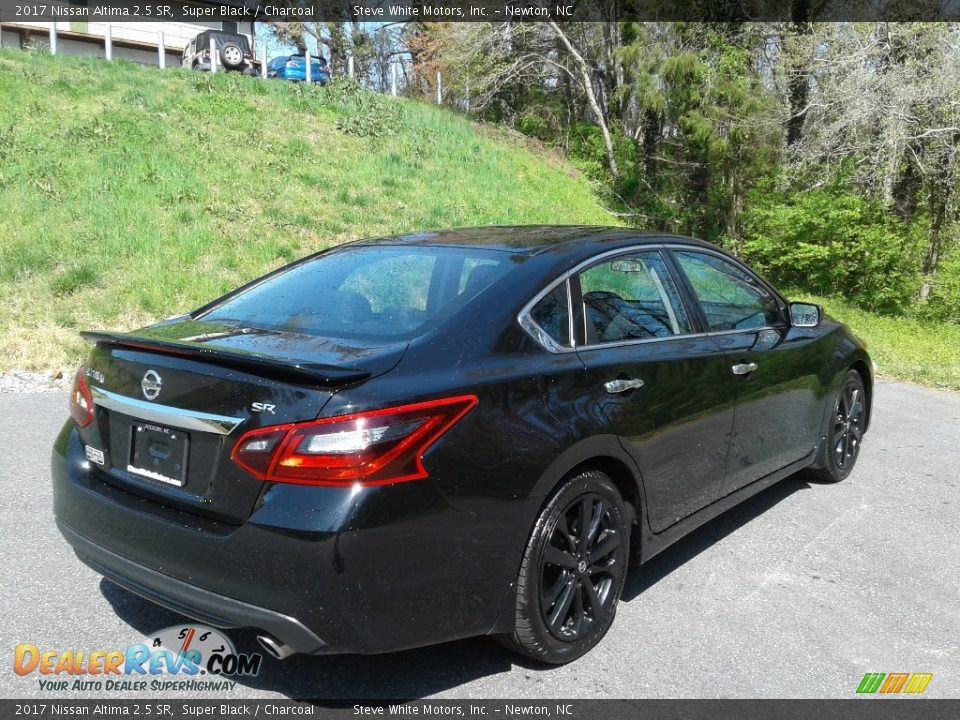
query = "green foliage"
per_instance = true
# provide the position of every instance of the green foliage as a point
(362, 113)
(943, 302)
(832, 241)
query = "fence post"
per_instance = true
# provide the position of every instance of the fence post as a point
(393, 79)
(108, 41)
(53, 38)
(263, 61)
(350, 65)
(213, 55)
(306, 55)
(439, 88)
(161, 51)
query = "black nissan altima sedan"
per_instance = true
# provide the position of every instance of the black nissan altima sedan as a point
(407, 440)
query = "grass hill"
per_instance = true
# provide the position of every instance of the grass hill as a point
(131, 193)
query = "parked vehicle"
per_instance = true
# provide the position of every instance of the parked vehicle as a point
(233, 52)
(294, 67)
(403, 441)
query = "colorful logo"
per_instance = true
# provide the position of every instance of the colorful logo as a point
(185, 651)
(893, 683)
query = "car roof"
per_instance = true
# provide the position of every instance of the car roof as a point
(535, 239)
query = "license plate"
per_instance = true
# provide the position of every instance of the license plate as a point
(159, 453)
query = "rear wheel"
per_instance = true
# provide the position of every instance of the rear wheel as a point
(573, 571)
(841, 447)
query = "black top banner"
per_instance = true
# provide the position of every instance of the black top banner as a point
(735, 11)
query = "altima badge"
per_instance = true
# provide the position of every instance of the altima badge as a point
(151, 385)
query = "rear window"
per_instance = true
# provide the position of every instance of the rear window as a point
(372, 292)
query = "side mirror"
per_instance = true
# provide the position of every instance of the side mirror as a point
(805, 315)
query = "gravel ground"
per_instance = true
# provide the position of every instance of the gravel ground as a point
(23, 381)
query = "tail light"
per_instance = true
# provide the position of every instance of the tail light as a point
(371, 448)
(81, 403)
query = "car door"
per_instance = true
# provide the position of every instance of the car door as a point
(777, 415)
(665, 388)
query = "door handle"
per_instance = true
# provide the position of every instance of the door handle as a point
(744, 368)
(622, 385)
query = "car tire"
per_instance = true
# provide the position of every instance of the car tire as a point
(840, 447)
(569, 584)
(231, 55)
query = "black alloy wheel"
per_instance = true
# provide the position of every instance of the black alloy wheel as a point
(848, 426)
(841, 448)
(573, 571)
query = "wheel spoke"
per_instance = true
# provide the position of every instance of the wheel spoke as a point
(593, 600)
(583, 525)
(610, 542)
(550, 596)
(563, 527)
(599, 508)
(578, 609)
(560, 610)
(555, 556)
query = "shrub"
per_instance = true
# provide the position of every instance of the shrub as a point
(832, 241)
(943, 302)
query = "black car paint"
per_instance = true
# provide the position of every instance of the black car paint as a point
(395, 566)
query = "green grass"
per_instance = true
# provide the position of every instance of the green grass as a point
(901, 348)
(130, 194)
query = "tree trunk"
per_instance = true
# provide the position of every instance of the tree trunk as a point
(588, 89)
(798, 77)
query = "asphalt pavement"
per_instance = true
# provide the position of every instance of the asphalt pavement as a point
(796, 593)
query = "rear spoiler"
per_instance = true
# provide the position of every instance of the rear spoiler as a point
(300, 372)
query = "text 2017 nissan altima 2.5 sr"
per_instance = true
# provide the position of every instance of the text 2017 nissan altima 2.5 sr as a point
(407, 440)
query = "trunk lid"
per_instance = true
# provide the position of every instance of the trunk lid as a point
(172, 400)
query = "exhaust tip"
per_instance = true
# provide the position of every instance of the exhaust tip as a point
(274, 647)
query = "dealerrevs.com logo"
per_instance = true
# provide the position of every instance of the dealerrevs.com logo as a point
(182, 657)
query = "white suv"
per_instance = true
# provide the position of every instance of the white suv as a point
(232, 52)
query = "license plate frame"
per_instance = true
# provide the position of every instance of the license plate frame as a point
(159, 453)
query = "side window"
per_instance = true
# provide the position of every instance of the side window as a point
(632, 297)
(552, 316)
(731, 299)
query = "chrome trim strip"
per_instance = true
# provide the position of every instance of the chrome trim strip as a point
(165, 414)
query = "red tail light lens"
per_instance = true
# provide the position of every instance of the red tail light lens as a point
(371, 448)
(81, 404)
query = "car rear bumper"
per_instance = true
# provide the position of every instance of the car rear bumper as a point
(203, 605)
(324, 570)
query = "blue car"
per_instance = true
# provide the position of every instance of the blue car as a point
(294, 67)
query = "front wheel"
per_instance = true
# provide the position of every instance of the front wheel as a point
(840, 448)
(572, 572)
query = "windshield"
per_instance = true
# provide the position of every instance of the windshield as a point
(373, 292)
